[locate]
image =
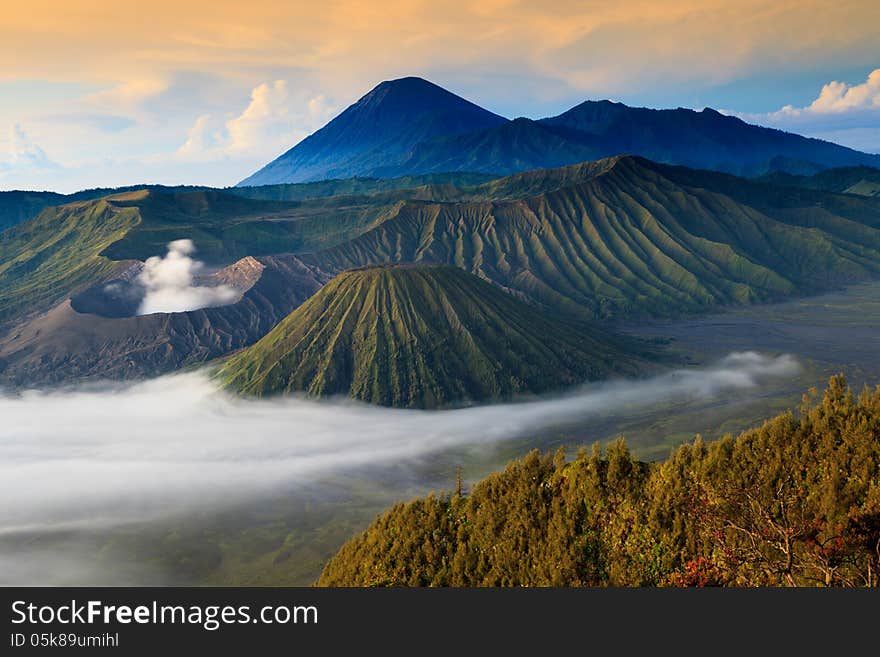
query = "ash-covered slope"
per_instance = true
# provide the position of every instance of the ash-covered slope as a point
(84, 338)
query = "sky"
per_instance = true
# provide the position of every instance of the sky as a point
(107, 93)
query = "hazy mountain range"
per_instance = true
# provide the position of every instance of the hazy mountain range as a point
(411, 126)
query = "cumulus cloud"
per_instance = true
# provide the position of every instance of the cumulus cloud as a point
(130, 93)
(841, 97)
(845, 113)
(97, 457)
(169, 283)
(266, 115)
(273, 121)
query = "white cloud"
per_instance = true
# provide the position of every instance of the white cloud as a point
(198, 140)
(847, 114)
(274, 120)
(129, 94)
(25, 156)
(841, 97)
(169, 283)
(265, 117)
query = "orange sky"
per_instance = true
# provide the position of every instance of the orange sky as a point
(145, 73)
(102, 40)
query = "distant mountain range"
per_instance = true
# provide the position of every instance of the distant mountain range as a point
(19, 206)
(411, 126)
(423, 336)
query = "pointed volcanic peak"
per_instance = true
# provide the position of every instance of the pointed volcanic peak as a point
(379, 128)
(422, 336)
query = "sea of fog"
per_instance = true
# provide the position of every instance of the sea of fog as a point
(101, 455)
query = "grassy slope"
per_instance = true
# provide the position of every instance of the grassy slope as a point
(44, 260)
(227, 225)
(43, 264)
(50, 257)
(420, 337)
(18, 206)
(635, 237)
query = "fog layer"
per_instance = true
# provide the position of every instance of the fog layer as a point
(100, 456)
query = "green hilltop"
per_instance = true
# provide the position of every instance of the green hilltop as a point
(47, 259)
(427, 336)
(68, 248)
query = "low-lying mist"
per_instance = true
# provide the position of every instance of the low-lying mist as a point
(97, 456)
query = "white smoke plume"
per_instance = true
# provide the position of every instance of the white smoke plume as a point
(97, 457)
(169, 283)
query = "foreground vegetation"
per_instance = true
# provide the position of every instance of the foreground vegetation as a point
(795, 502)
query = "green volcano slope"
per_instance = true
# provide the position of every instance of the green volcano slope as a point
(627, 236)
(54, 255)
(426, 337)
(795, 502)
(50, 257)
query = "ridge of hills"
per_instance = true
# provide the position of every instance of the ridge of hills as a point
(613, 239)
(81, 338)
(627, 236)
(19, 205)
(863, 181)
